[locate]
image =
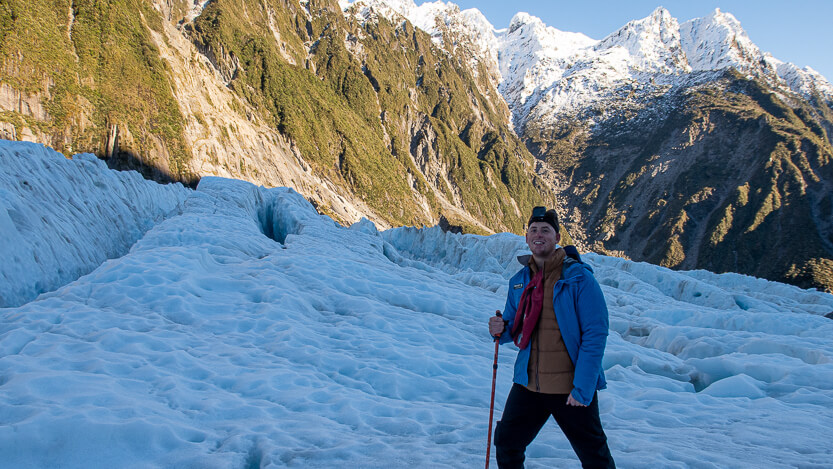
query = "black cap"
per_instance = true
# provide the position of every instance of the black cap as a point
(544, 215)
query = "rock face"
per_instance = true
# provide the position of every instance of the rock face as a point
(666, 191)
(359, 111)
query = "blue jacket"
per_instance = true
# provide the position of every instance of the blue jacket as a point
(582, 316)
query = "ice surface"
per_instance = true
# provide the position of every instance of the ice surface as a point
(60, 218)
(243, 329)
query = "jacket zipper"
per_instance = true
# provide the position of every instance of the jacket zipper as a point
(537, 364)
(536, 338)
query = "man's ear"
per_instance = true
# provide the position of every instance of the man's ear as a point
(557, 237)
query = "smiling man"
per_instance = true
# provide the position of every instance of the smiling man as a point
(556, 314)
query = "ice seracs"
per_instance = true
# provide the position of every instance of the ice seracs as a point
(225, 336)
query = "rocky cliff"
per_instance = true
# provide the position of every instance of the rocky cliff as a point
(362, 113)
(722, 176)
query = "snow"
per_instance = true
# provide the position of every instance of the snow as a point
(652, 44)
(44, 245)
(648, 56)
(196, 10)
(241, 329)
(718, 41)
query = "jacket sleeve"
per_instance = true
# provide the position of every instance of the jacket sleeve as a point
(508, 315)
(591, 310)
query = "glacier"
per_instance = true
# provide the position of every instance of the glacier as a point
(232, 326)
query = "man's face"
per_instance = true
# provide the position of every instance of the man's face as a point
(541, 238)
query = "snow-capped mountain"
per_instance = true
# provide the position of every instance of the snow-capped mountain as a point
(665, 141)
(445, 22)
(535, 58)
(643, 54)
(546, 72)
(718, 41)
(652, 44)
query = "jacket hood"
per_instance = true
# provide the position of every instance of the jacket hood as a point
(573, 265)
(570, 250)
(524, 259)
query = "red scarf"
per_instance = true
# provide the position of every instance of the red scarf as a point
(529, 310)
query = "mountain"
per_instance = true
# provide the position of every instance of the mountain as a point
(682, 145)
(547, 72)
(692, 149)
(363, 114)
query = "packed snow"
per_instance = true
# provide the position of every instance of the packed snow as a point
(243, 329)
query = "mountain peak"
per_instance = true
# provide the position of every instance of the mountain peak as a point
(522, 19)
(660, 13)
(653, 43)
(722, 17)
(530, 29)
(718, 41)
(660, 19)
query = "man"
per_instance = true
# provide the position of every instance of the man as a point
(556, 315)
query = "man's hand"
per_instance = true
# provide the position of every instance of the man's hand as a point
(496, 326)
(571, 401)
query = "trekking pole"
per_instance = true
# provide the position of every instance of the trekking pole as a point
(492, 404)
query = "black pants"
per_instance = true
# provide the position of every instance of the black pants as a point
(525, 414)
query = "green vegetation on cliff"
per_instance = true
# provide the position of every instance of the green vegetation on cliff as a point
(730, 178)
(489, 167)
(92, 65)
(358, 115)
(372, 105)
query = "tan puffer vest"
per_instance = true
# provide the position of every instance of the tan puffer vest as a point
(550, 367)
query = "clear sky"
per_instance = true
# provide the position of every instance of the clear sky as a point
(797, 31)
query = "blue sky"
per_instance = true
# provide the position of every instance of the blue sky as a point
(800, 31)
